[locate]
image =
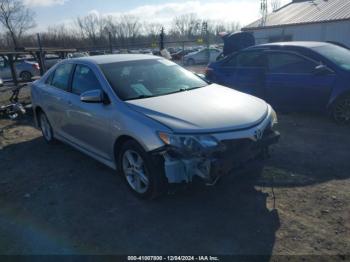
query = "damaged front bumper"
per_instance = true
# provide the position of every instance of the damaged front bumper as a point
(212, 164)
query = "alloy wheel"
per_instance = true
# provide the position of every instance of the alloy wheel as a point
(134, 171)
(26, 76)
(342, 111)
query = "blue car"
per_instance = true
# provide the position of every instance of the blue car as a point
(291, 76)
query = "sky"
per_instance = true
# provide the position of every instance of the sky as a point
(53, 12)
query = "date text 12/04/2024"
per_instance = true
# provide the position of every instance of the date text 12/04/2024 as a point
(173, 258)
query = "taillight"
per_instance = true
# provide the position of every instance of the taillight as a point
(208, 72)
(36, 66)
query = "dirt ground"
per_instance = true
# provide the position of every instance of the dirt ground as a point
(55, 200)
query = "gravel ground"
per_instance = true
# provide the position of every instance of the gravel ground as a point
(55, 200)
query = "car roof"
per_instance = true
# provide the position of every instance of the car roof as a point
(304, 44)
(108, 59)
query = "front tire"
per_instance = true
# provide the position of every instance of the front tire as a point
(46, 129)
(341, 110)
(143, 173)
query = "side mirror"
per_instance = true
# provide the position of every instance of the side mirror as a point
(322, 70)
(93, 96)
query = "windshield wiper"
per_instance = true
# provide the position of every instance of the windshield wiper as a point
(196, 87)
(185, 89)
(139, 97)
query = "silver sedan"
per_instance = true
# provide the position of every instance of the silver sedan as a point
(151, 120)
(25, 70)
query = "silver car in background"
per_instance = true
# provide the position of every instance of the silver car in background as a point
(203, 56)
(152, 120)
(25, 70)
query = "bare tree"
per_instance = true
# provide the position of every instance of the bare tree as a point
(131, 25)
(151, 29)
(221, 26)
(16, 18)
(275, 4)
(91, 27)
(127, 31)
(187, 25)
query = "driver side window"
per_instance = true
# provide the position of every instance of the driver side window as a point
(84, 79)
(61, 77)
(285, 63)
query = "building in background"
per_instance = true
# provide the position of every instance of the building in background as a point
(305, 20)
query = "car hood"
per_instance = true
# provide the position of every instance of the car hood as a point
(213, 108)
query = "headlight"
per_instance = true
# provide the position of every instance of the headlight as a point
(274, 119)
(189, 143)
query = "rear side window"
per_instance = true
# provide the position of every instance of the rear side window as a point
(61, 77)
(283, 63)
(247, 59)
(250, 59)
(84, 80)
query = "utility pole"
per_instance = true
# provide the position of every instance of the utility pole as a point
(162, 36)
(110, 42)
(263, 11)
(205, 34)
(41, 56)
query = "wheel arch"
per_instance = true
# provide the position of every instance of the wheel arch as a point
(118, 144)
(37, 110)
(336, 98)
(25, 71)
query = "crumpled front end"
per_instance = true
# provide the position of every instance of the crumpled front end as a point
(233, 150)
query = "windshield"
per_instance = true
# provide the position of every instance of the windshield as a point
(336, 54)
(149, 78)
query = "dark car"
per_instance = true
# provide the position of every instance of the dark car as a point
(291, 76)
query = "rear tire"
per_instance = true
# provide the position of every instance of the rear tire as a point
(143, 172)
(46, 128)
(26, 76)
(191, 62)
(341, 110)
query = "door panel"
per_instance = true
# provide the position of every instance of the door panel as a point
(291, 83)
(89, 123)
(56, 109)
(249, 80)
(89, 126)
(298, 92)
(245, 72)
(56, 98)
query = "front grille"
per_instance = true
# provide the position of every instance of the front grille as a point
(238, 144)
